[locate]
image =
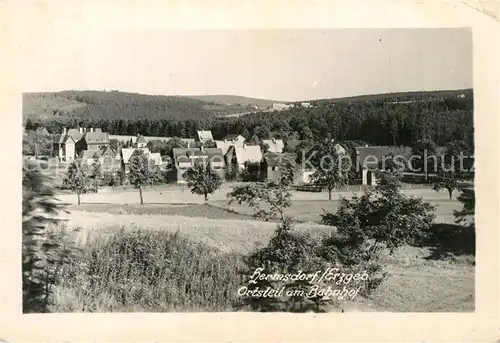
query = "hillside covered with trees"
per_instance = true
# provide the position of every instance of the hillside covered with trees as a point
(386, 119)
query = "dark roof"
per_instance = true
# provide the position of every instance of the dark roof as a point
(106, 150)
(59, 139)
(75, 134)
(96, 137)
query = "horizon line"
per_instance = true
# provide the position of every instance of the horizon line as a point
(249, 96)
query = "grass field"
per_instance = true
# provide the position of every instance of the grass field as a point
(418, 281)
(437, 276)
(305, 207)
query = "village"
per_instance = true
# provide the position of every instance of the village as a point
(165, 186)
(231, 155)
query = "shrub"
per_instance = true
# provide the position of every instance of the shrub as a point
(386, 216)
(383, 218)
(154, 271)
(288, 252)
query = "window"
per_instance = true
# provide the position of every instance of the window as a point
(274, 169)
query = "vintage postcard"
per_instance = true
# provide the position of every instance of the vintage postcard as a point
(250, 171)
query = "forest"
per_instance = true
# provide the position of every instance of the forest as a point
(384, 119)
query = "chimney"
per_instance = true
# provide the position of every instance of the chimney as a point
(91, 129)
(64, 131)
(202, 148)
(80, 129)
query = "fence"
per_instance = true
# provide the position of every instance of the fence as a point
(355, 188)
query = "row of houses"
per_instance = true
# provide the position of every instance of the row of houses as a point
(230, 152)
(85, 144)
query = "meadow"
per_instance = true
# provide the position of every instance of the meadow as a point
(177, 254)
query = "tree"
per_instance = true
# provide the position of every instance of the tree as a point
(383, 217)
(331, 169)
(175, 142)
(114, 144)
(456, 149)
(447, 178)
(255, 140)
(202, 179)
(262, 131)
(425, 149)
(44, 252)
(76, 178)
(96, 172)
(276, 195)
(264, 147)
(302, 151)
(140, 171)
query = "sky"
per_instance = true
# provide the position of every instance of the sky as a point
(282, 65)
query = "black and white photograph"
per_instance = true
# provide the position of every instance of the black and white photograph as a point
(301, 171)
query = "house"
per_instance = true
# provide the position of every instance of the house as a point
(65, 144)
(204, 136)
(126, 153)
(186, 158)
(65, 148)
(270, 164)
(156, 158)
(92, 140)
(371, 158)
(109, 159)
(229, 141)
(224, 146)
(234, 138)
(242, 154)
(141, 142)
(275, 145)
(305, 104)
